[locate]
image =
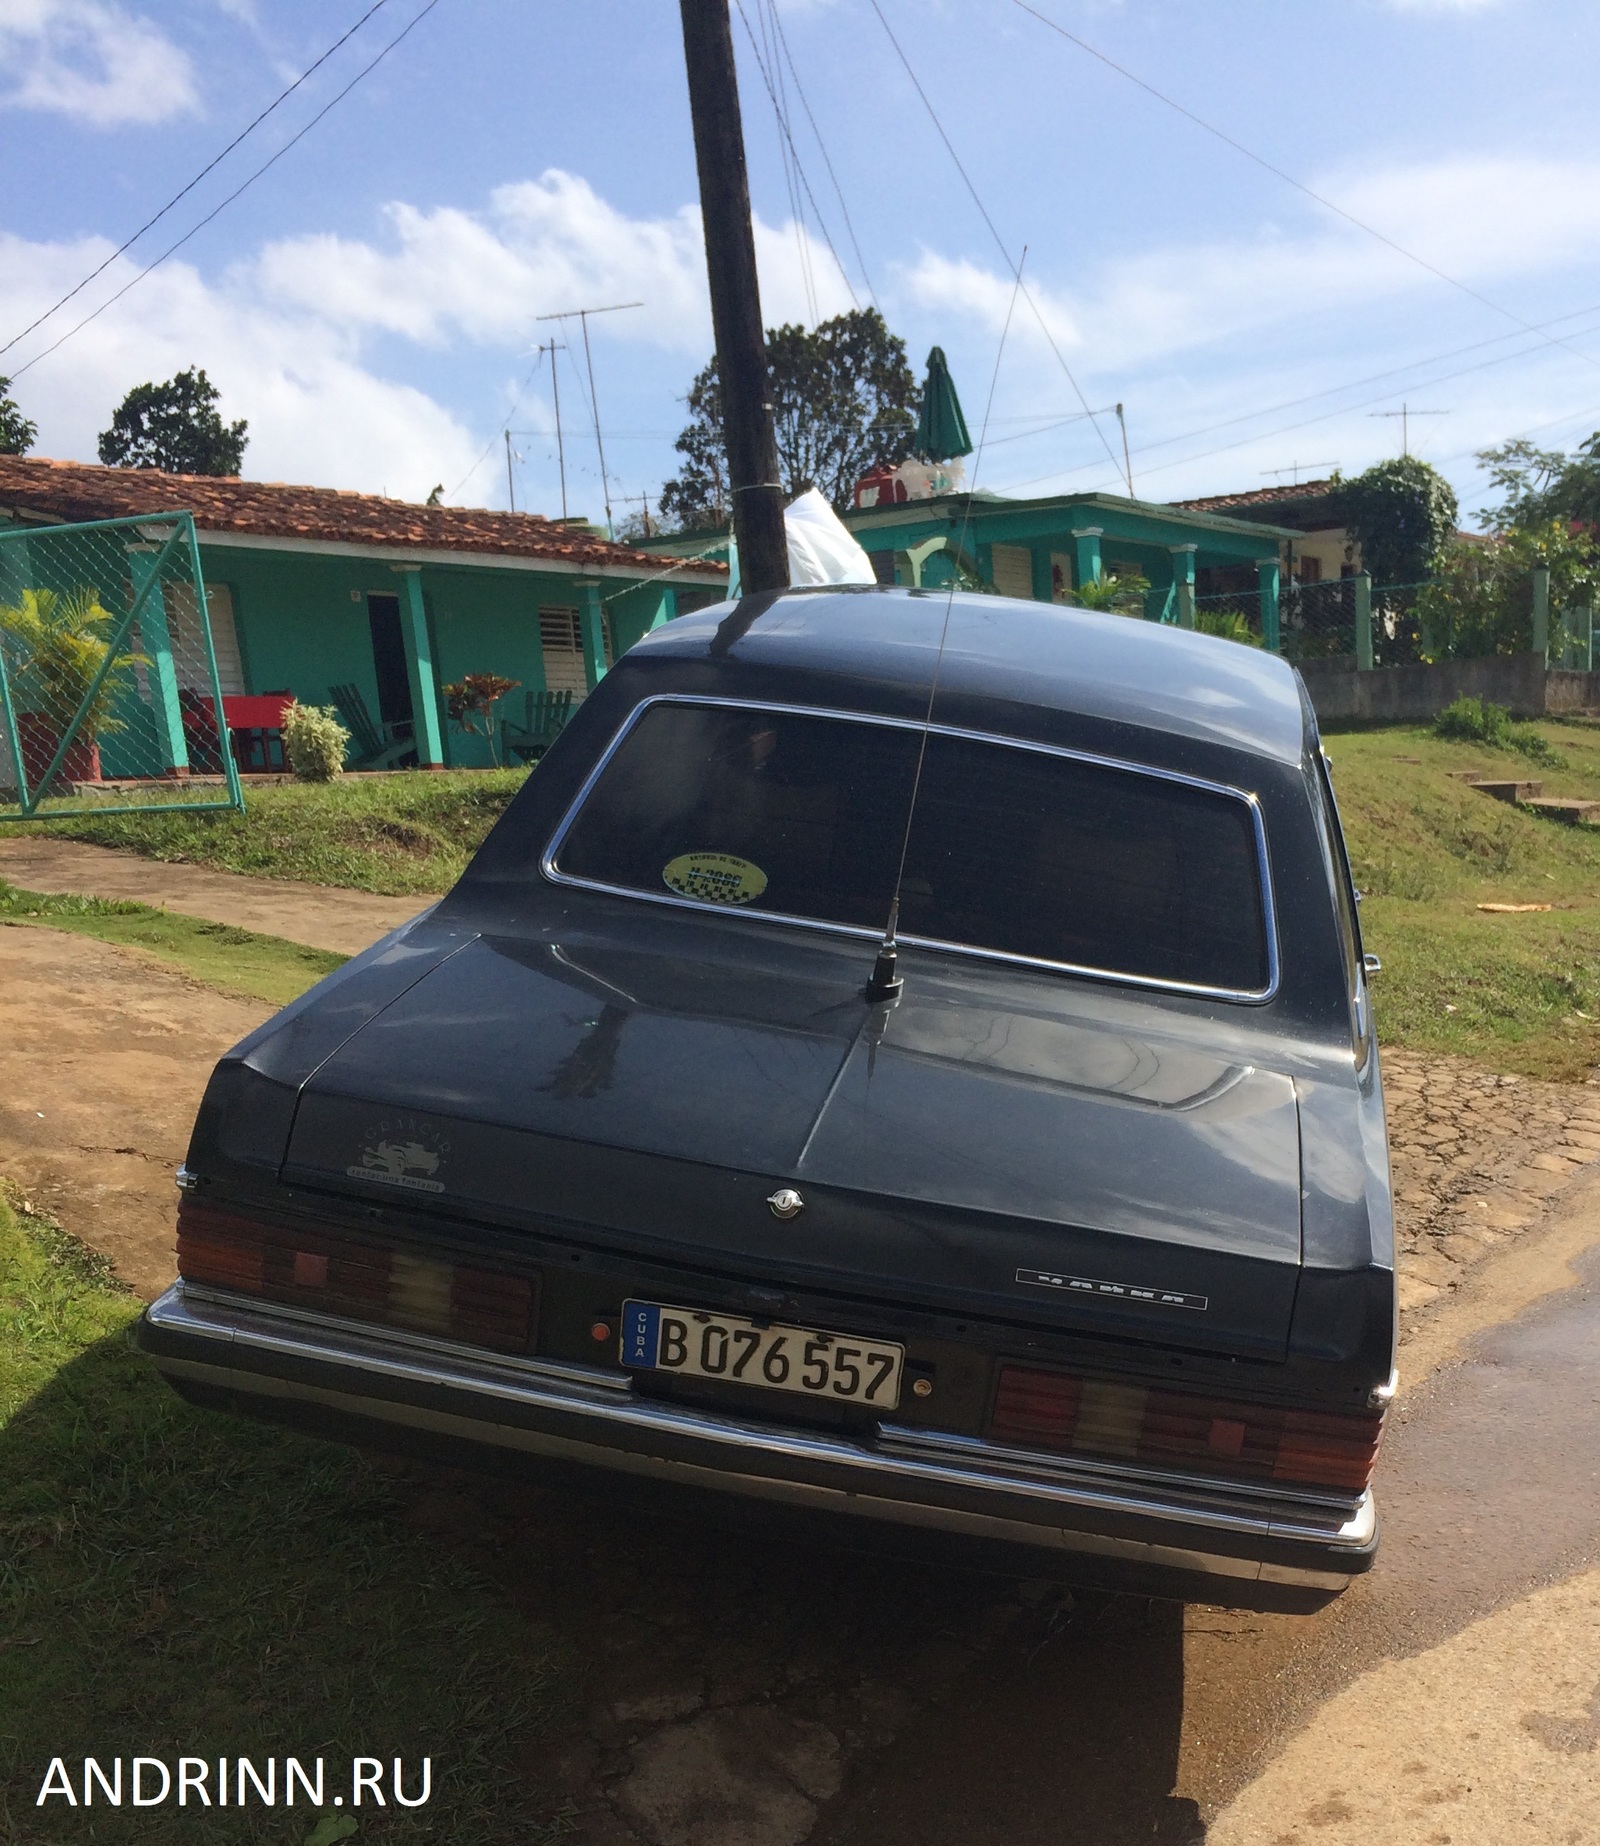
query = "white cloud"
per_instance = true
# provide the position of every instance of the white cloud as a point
(540, 247)
(93, 61)
(316, 413)
(1486, 222)
(287, 335)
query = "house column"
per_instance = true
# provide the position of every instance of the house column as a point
(1086, 554)
(591, 618)
(1267, 576)
(155, 643)
(666, 610)
(1183, 582)
(426, 731)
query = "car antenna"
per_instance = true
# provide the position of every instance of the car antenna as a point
(885, 983)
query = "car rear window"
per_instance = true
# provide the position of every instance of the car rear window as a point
(1013, 849)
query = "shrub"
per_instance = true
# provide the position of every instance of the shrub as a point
(1481, 721)
(314, 741)
(1228, 624)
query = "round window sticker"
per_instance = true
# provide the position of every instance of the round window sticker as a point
(714, 877)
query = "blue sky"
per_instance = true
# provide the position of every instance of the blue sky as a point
(371, 303)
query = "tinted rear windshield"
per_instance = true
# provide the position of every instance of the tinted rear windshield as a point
(1012, 849)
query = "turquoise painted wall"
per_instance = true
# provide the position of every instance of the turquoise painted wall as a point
(303, 627)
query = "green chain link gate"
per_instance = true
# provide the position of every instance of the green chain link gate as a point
(109, 696)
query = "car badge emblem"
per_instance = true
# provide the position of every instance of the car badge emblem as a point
(786, 1203)
(398, 1155)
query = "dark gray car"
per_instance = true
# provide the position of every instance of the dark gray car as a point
(1081, 1240)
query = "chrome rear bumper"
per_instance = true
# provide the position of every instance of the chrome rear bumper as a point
(274, 1358)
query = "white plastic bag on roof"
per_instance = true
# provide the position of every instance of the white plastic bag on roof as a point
(821, 546)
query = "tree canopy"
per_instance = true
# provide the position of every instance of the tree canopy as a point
(16, 431)
(844, 401)
(1538, 485)
(175, 427)
(1403, 515)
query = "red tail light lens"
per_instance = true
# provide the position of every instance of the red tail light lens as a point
(313, 1268)
(1054, 1410)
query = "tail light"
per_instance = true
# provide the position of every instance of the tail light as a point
(314, 1268)
(1054, 1410)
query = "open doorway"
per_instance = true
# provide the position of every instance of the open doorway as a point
(389, 660)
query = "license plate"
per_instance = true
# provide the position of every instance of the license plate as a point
(842, 1367)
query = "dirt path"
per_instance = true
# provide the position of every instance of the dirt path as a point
(325, 916)
(103, 1058)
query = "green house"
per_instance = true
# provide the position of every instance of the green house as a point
(1044, 549)
(310, 588)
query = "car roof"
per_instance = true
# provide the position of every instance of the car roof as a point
(1053, 658)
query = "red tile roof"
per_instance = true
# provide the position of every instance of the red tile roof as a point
(274, 509)
(1259, 496)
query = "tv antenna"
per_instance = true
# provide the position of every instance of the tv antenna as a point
(582, 315)
(1405, 413)
(1294, 468)
(639, 500)
(553, 347)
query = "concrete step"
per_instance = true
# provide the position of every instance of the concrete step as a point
(1508, 790)
(1563, 808)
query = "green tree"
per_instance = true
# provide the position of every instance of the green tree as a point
(1402, 513)
(16, 431)
(1480, 600)
(844, 401)
(175, 427)
(1536, 485)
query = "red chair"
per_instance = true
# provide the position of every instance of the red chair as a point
(255, 730)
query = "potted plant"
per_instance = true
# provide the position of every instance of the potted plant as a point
(56, 642)
(470, 702)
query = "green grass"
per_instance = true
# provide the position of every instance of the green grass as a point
(1517, 993)
(179, 1582)
(398, 835)
(236, 960)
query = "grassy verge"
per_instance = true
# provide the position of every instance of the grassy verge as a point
(397, 835)
(1518, 992)
(236, 960)
(177, 1582)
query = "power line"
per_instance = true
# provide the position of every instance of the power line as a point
(787, 142)
(1312, 397)
(1290, 180)
(983, 211)
(149, 223)
(838, 191)
(365, 71)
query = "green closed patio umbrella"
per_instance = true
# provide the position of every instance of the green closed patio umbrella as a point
(942, 429)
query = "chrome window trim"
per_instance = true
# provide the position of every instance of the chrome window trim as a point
(1269, 915)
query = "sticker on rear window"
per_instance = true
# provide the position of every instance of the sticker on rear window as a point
(714, 877)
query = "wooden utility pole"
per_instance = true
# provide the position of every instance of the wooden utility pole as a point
(742, 373)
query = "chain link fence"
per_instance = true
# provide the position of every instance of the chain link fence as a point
(109, 697)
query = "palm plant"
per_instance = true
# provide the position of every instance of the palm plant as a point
(60, 640)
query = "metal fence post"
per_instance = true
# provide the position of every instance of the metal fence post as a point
(1541, 612)
(1363, 595)
(145, 560)
(1267, 575)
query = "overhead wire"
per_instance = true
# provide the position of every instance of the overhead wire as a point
(1411, 366)
(1000, 242)
(184, 191)
(172, 249)
(786, 138)
(1289, 179)
(838, 190)
(789, 156)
